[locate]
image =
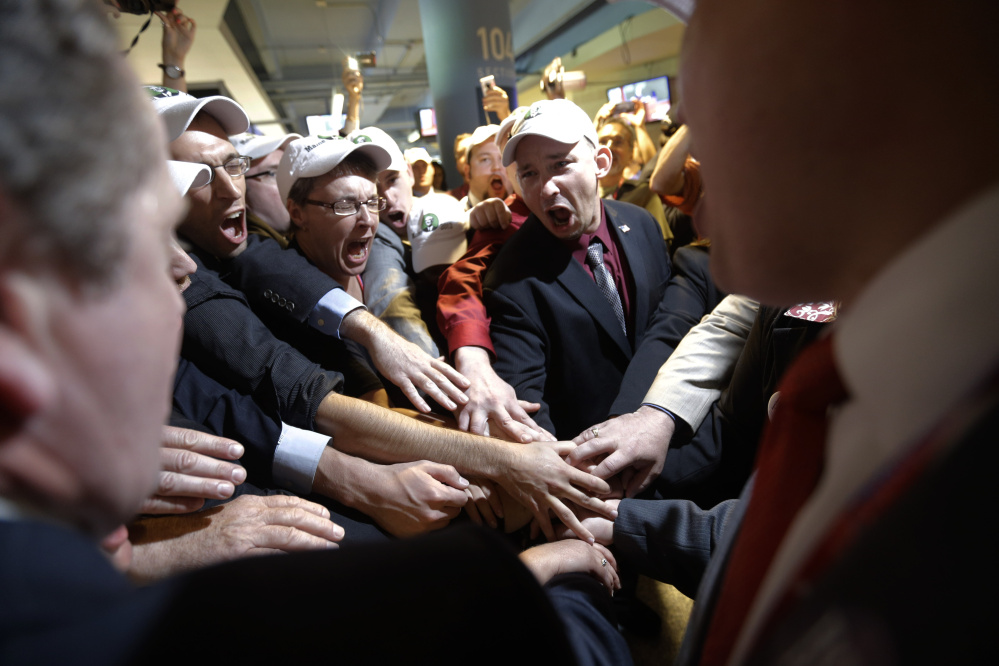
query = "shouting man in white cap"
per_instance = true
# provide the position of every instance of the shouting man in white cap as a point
(266, 212)
(581, 318)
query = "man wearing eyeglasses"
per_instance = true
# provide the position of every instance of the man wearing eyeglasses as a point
(266, 212)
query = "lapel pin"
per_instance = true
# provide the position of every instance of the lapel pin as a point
(624, 228)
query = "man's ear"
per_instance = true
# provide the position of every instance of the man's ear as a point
(27, 383)
(297, 214)
(604, 158)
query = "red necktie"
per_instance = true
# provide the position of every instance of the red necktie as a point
(788, 468)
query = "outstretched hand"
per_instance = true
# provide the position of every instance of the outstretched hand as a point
(540, 479)
(247, 526)
(191, 471)
(417, 497)
(635, 445)
(570, 556)
(492, 401)
(405, 364)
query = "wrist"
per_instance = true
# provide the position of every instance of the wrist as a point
(471, 358)
(341, 477)
(360, 326)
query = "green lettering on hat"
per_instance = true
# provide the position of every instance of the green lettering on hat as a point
(361, 138)
(161, 92)
(429, 222)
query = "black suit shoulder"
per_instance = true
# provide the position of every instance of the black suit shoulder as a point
(277, 283)
(227, 341)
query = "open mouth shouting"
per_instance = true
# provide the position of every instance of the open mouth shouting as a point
(396, 219)
(234, 227)
(497, 187)
(355, 253)
(560, 216)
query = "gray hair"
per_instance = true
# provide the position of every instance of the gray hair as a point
(75, 139)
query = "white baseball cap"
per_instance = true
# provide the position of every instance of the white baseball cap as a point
(418, 154)
(178, 109)
(380, 138)
(506, 127)
(186, 175)
(556, 119)
(256, 146)
(440, 233)
(313, 156)
(481, 134)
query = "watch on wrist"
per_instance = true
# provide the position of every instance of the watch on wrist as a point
(172, 71)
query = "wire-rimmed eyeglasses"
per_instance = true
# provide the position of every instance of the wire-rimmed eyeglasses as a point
(235, 167)
(348, 207)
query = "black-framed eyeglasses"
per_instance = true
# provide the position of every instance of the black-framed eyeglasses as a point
(271, 173)
(235, 167)
(348, 207)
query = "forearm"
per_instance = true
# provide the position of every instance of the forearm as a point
(668, 176)
(694, 375)
(353, 120)
(374, 433)
(461, 314)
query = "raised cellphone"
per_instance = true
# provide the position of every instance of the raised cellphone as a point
(487, 83)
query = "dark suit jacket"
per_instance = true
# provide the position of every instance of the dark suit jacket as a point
(229, 343)
(283, 287)
(557, 341)
(409, 601)
(202, 400)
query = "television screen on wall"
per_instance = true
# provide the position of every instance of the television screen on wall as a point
(654, 93)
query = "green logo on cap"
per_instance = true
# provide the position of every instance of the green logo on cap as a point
(161, 92)
(429, 222)
(533, 112)
(361, 138)
(330, 137)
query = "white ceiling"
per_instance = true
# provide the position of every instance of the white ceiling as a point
(281, 59)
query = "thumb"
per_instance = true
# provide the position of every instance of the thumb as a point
(447, 475)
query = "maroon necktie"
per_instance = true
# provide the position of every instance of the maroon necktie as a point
(788, 469)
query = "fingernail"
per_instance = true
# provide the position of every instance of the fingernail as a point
(462, 481)
(338, 531)
(614, 512)
(236, 450)
(238, 475)
(225, 489)
(590, 541)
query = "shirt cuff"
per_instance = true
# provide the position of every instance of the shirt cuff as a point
(661, 409)
(296, 458)
(329, 312)
(469, 333)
